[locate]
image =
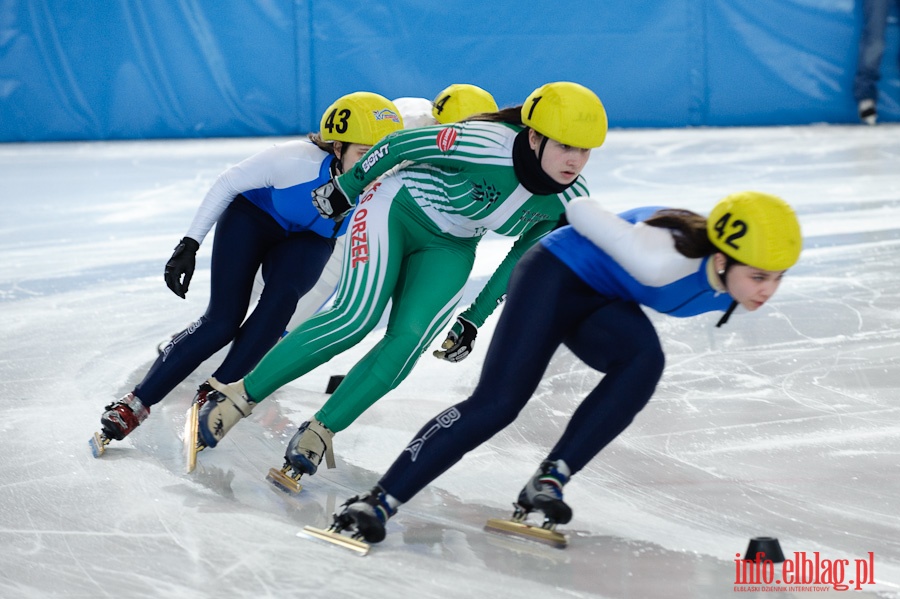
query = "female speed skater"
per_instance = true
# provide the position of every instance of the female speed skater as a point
(583, 286)
(263, 218)
(454, 103)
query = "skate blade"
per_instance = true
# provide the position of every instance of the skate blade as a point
(551, 537)
(337, 538)
(98, 447)
(191, 446)
(283, 482)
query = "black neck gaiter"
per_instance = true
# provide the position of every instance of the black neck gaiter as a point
(528, 169)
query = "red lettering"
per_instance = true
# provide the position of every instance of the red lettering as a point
(370, 192)
(446, 138)
(865, 571)
(359, 248)
(359, 255)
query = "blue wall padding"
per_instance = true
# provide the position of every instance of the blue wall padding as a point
(205, 68)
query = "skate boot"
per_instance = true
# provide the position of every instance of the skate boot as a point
(120, 418)
(308, 446)
(543, 493)
(225, 405)
(367, 515)
(123, 416)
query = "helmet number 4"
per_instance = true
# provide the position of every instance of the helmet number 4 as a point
(738, 227)
(439, 105)
(343, 118)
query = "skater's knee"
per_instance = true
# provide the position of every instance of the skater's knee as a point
(220, 331)
(493, 410)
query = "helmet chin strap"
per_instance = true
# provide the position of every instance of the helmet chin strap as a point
(337, 167)
(727, 314)
(540, 155)
(723, 273)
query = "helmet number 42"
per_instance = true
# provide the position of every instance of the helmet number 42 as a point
(738, 226)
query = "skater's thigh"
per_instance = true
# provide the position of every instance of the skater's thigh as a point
(429, 287)
(295, 264)
(614, 333)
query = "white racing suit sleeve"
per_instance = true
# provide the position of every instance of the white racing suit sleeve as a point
(253, 173)
(647, 253)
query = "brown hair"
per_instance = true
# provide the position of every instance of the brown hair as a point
(512, 115)
(688, 229)
(325, 146)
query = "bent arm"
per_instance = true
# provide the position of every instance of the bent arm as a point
(494, 291)
(647, 253)
(253, 173)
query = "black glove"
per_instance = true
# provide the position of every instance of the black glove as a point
(181, 263)
(330, 201)
(459, 342)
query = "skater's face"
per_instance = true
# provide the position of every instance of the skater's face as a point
(350, 153)
(563, 163)
(750, 287)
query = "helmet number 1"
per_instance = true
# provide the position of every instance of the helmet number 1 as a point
(343, 118)
(738, 226)
(533, 104)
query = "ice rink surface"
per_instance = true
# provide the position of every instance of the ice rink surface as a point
(785, 422)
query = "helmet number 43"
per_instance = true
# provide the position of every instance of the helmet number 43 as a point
(341, 125)
(738, 226)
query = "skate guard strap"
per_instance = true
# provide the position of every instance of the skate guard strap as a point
(236, 393)
(326, 436)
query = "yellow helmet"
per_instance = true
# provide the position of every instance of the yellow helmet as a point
(360, 118)
(460, 101)
(568, 113)
(757, 229)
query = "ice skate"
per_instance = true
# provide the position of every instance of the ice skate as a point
(308, 446)
(367, 515)
(191, 422)
(225, 405)
(120, 418)
(304, 453)
(287, 479)
(543, 493)
(363, 517)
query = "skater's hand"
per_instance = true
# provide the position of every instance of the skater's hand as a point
(330, 201)
(459, 342)
(181, 264)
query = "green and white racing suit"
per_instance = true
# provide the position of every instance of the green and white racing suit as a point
(412, 239)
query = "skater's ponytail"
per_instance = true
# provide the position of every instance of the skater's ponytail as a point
(688, 229)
